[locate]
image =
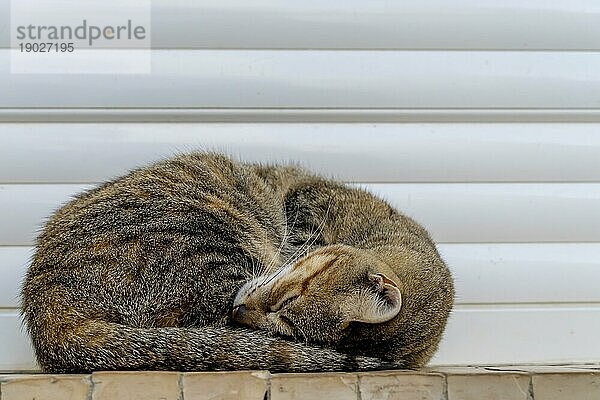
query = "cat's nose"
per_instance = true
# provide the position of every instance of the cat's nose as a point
(238, 312)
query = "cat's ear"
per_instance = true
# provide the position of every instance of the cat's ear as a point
(379, 304)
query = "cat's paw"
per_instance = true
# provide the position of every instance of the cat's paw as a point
(377, 364)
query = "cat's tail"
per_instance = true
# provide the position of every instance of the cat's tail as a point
(88, 345)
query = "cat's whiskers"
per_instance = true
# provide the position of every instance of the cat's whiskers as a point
(286, 236)
(253, 267)
(302, 251)
(278, 253)
(261, 267)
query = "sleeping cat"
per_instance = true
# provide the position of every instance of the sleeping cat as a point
(202, 263)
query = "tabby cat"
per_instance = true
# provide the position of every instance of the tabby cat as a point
(200, 262)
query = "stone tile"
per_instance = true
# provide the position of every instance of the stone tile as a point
(6, 377)
(46, 387)
(251, 385)
(135, 386)
(572, 382)
(575, 385)
(480, 383)
(324, 386)
(400, 385)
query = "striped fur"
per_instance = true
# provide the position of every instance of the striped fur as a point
(142, 272)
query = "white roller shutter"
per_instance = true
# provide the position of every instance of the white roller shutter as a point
(478, 118)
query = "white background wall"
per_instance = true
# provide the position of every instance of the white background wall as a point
(478, 118)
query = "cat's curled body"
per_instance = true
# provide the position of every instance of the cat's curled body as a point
(142, 273)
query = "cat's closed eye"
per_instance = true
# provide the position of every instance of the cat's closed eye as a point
(285, 301)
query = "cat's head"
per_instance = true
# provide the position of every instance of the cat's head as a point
(321, 296)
